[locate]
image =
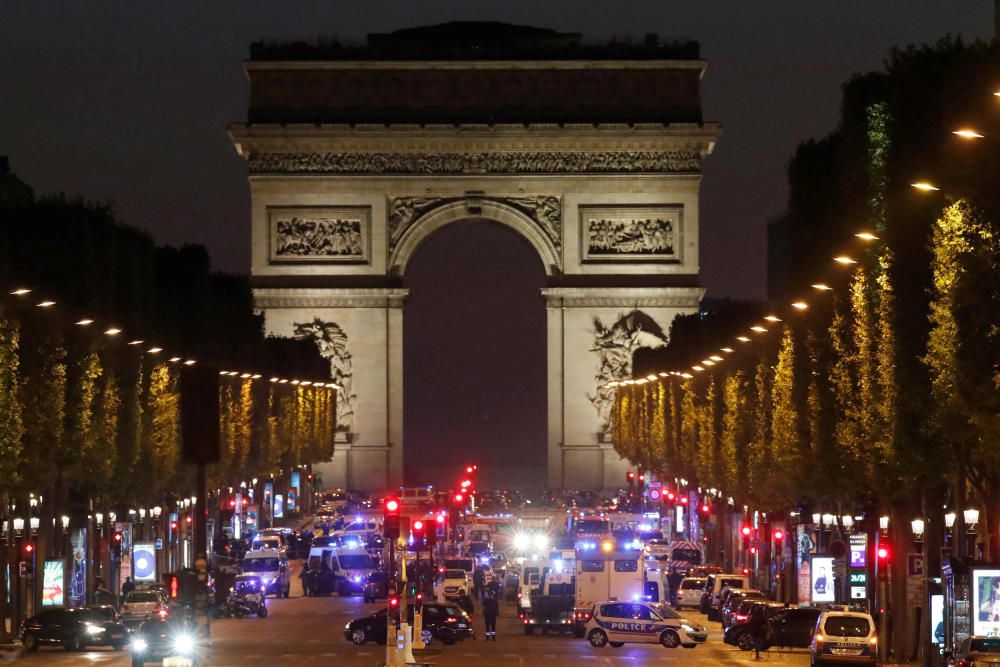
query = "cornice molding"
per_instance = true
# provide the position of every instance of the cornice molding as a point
(274, 297)
(623, 297)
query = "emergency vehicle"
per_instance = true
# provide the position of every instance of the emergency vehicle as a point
(618, 623)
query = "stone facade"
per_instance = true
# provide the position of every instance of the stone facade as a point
(611, 209)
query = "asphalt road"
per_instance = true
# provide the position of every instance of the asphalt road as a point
(309, 631)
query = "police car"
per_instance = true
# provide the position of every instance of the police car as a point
(844, 637)
(616, 623)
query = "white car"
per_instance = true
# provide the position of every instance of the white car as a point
(689, 592)
(453, 584)
(843, 636)
(618, 623)
(142, 606)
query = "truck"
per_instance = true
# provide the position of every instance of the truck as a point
(552, 604)
(603, 576)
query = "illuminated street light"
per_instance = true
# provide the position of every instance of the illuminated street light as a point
(758, 329)
(155, 350)
(727, 350)
(651, 376)
(967, 133)
(822, 287)
(715, 357)
(844, 259)
(112, 332)
(136, 342)
(800, 305)
(84, 322)
(46, 304)
(772, 318)
(707, 362)
(866, 236)
(189, 362)
(743, 339)
(21, 291)
(924, 186)
(698, 368)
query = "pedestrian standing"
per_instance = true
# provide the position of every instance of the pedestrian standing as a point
(306, 576)
(128, 586)
(478, 581)
(491, 609)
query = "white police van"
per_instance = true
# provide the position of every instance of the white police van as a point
(844, 636)
(617, 623)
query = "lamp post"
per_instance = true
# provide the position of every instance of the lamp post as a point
(971, 517)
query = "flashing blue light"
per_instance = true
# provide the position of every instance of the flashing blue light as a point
(636, 597)
(636, 544)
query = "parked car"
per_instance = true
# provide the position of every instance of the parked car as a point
(445, 622)
(790, 626)
(731, 604)
(143, 605)
(73, 628)
(617, 623)
(843, 636)
(689, 592)
(976, 650)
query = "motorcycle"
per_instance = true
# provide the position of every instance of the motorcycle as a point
(246, 597)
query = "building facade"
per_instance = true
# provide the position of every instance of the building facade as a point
(592, 154)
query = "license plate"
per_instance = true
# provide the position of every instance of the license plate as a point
(847, 651)
(462, 625)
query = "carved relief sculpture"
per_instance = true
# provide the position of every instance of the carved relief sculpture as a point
(331, 340)
(615, 345)
(627, 233)
(325, 234)
(500, 162)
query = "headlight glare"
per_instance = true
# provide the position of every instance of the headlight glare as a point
(94, 629)
(184, 643)
(139, 644)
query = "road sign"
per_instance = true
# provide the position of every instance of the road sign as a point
(915, 565)
(859, 578)
(159, 543)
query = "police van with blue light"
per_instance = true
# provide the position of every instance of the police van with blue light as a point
(620, 622)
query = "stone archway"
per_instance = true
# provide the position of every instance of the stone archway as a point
(354, 163)
(536, 219)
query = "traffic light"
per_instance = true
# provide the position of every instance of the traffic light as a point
(173, 585)
(671, 497)
(390, 518)
(779, 536)
(459, 498)
(883, 555)
(435, 529)
(119, 539)
(394, 602)
(29, 548)
(705, 509)
(684, 500)
(419, 533)
(466, 483)
(630, 477)
(469, 470)
(746, 532)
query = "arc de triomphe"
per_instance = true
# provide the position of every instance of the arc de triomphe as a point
(591, 153)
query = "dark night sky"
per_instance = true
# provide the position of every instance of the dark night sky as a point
(129, 102)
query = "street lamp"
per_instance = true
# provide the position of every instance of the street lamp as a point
(65, 522)
(829, 520)
(816, 517)
(847, 520)
(917, 525)
(18, 525)
(949, 520)
(971, 517)
(883, 523)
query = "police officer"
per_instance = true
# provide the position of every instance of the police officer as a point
(491, 609)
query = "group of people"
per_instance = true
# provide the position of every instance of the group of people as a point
(317, 580)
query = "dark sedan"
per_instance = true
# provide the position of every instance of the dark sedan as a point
(444, 622)
(789, 627)
(72, 628)
(166, 637)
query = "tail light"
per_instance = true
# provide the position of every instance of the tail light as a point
(739, 618)
(451, 619)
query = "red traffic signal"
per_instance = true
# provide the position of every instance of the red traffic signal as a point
(459, 498)
(418, 526)
(29, 548)
(118, 537)
(232, 503)
(753, 551)
(778, 535)
(466, 483)
(883, 554)
(746, 531)
(391, 506)
(188, 520)
(469, 470)
(671, 496)
(705, 508)
(173, 525)
(394, 601)
(440, 518)
(173, 585)
(642, 478)
(684, 500)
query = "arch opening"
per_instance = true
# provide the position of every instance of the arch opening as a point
(474, 357)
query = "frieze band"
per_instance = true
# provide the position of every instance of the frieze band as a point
(510, 162)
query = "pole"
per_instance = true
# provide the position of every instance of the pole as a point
(390, 644)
